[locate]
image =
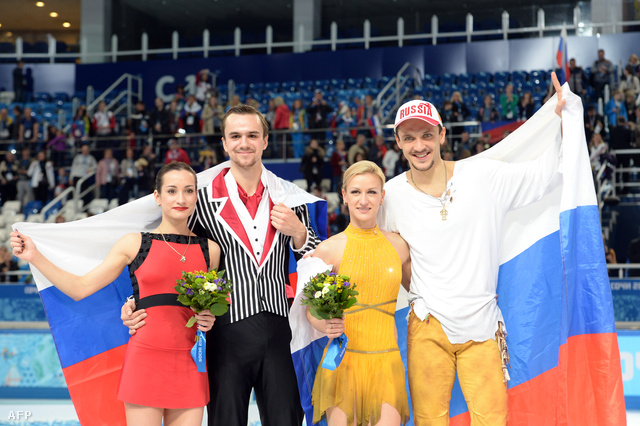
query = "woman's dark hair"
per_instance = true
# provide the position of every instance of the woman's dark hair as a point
(173, 166)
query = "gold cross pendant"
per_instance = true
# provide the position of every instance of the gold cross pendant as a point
(444, 213)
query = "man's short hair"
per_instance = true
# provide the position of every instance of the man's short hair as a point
(245, 110)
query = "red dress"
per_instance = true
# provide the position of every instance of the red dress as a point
(158, 370)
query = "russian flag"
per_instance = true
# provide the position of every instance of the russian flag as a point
(562, 60)
(89, 335)
(553, 291)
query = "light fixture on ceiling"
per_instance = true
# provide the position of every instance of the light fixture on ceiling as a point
(54, 14)
(66, 24)
(40, 4)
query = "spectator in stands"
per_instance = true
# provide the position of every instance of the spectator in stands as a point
(6, 124)
(365, 115)
(175, 153)
(344, 122)
(62, 182)
(7, 265)
(212, 114)
(390, 160)
(601, 74)
(318, 113)
(312, 164)
(281, 120)
(83, 164)
(577, 79)
(635, 63)
(615, 108)
(160, 119)
(459, 113)
(298, 123)
(19, 83)
(254, 103)
(465, 143)
(8, 177)
(234, 101)
(128, 177)
(81, 125)
(446, 113)
(180, 97)
(509, 103)
(191, 115)
(29, 129)
(377, 151)
(630, 105)
(203, 86)
(104, 122)
(358, 147)
(146, 173)
(630, 81)
(23, 186)
(108, 175)
(597, 148)
(479, 146)
(42, 177)
(207, 158)
(634, 255)
(174, 117)
(57, 144)
(17, 119)
(525, 107)
(593, 122)
(488, 113)
(338, 163)
(138, 122)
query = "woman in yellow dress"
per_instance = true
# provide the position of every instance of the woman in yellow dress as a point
(368, 387)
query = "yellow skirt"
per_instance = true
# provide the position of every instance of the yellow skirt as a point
(362, 381)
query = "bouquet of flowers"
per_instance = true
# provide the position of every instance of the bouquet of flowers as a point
(204, 290)
(328, 295)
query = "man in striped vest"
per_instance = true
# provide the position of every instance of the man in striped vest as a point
(255, 217)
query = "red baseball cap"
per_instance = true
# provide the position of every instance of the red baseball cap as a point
(422, 110)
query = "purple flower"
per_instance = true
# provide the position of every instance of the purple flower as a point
(189, 291)
(346, 284)
(219, 288)
(199, 276)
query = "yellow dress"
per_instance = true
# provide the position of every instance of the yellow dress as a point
(371, 372)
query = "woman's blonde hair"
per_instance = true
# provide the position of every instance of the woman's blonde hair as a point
(360, 168)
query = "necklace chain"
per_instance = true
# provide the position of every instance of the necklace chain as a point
(182, 256)
(442, 199)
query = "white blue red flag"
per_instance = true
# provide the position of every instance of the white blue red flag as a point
(89, 335)
(553, 290)
(562, 60)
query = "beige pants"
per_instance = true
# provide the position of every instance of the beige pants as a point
(433, 362)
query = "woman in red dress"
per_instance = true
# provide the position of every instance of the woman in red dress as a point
(159, 377)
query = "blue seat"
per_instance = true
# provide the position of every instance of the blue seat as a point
(501, 77)
(32, 207)
(519, 77)
(482, 77)
(464, 78)
(447, 78)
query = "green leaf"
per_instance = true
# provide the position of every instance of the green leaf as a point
(191, 321)
(219, 309)
(350, 303)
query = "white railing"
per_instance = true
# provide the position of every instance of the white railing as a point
(300, 44)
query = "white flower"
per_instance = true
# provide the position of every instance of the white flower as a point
(325, 290)
(209, 286)
(317, 294)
